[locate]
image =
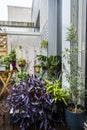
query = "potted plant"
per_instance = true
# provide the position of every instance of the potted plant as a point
(21, 75)
(34, 105)
(50, 65)
(12, 59)
(74, 113)
(7, 62)
(21, 62)
(37, 68)
(60, 97)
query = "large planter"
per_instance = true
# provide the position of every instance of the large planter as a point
(74, 121)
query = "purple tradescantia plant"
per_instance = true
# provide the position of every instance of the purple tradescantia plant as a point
(34, 105)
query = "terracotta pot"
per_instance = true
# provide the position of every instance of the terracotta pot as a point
(37, 69)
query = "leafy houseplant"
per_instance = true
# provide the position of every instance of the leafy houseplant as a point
(44, 44)
(74, 77)
(59, 97)
(21, 75)
(34, 105)
(12, 55)
(12, 58)
(59, 94)
(21, 62)
(50, 65)
(7, 61)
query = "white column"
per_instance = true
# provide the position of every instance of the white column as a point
(66, 15)
(52, 27)
(82, 33)
(82, 37)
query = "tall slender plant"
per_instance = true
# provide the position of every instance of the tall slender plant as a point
(74, 76)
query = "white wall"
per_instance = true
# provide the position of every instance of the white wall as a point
(65, 24)
(82, 33)
(30, 45)
(43, 13)
(42, 6)
(5, 3)
(21, 14)
(35, 9)
(82, 39)
(30, 48)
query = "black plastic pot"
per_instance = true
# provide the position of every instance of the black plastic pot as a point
(74, 121)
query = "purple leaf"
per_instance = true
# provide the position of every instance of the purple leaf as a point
(30, 98)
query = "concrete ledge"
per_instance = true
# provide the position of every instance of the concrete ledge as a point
(17, 24)
(20, 33)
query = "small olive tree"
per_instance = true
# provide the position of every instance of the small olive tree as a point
(74, 76)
